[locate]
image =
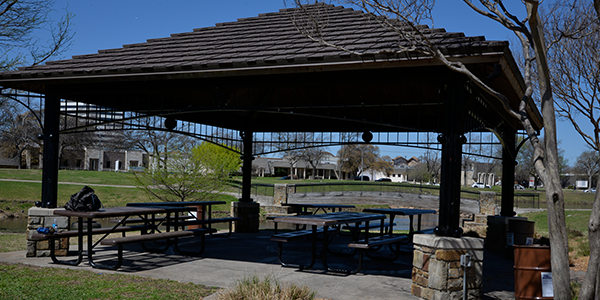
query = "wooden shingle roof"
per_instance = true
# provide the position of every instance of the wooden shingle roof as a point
(268, 40)
(257, 73)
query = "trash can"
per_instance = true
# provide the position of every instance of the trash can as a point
(518, 231)
(199, 213)
(521, 229)
(533, 276)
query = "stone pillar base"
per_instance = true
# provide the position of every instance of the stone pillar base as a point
(249, 212)
(437, 273)
(44, 217)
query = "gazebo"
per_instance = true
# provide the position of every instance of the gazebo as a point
(260, 75)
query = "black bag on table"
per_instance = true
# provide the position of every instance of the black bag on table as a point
(84, 200)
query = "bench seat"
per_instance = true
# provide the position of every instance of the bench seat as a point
(379, 241)
(145, 238)
(271, 218)
(95, 231)
(158, 220)
(374, 242)
(372, 225)
(296, 235)
(208, 222)
(141, 239)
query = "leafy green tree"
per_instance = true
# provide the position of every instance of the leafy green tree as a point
(217, 159)
(356, 159)
(198, 173)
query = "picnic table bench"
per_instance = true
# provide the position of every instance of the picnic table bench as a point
(320, 223)
(52, 237)
(376, 242)
(365, 227)
(144, 238)
(205, 222)
(301, 209)
(149, 231)
(297, 235)
(157, 220)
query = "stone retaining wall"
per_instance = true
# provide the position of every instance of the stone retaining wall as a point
(44, 217)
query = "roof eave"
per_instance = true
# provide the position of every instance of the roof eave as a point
(366, 62)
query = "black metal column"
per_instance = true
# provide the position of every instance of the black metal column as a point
(508, 174)
(449, 213)
(50, 169)
(247, 159)
(452, 139)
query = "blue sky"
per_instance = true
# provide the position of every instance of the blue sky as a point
(106, 24)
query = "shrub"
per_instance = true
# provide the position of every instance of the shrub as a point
(254, 288)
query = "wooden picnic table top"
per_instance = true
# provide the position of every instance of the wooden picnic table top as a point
(178, 203)
(400, 211)
(328, 219)
(122, 211)
(319, 205)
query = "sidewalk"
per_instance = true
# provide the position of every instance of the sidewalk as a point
(227, 260)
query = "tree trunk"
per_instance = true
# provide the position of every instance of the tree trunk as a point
(589, 287)
(597, 7)
(548, 166)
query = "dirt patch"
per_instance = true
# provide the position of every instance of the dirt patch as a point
(580, 263)
(9, 214)
(14, 208)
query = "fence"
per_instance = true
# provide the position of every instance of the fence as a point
(521, 199)
(353, 186)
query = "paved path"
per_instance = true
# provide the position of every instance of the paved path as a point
(73, 183)
(227, 260)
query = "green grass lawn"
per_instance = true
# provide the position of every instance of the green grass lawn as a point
(18, 281)
(577, 229)
(16, 196)
(575, 219)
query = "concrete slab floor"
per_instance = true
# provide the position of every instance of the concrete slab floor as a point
(226, 260)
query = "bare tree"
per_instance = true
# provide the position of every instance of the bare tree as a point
(403, 17)
(156, 143)
(19, 19)
(466, 164)
(314, 156)
(574, 32)
(588, 162)
(291, 144)
(191, 172)
(432, 164)
(14, 131)
(77, 140)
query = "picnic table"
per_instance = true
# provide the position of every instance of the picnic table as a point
(202, 218)
(149, 230)
(320, 224)
(393, 212)
(317, 206)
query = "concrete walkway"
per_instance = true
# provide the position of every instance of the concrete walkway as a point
(226, 260)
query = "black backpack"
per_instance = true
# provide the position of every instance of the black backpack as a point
(84, 200)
